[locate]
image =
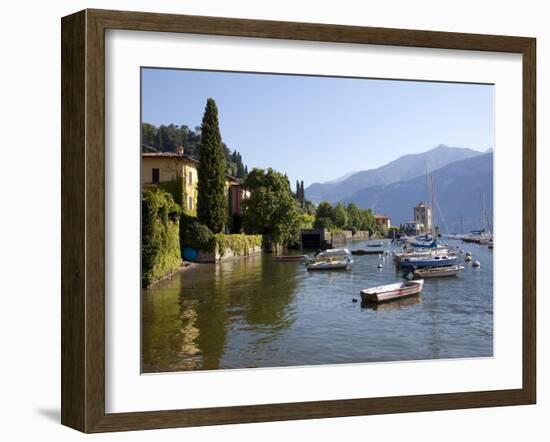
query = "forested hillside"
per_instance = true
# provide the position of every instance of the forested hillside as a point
(167, 138)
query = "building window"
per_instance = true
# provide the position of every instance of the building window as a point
(190, 203)
(190, 177)
(156, 175)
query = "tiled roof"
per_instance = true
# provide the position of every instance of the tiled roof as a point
(167, 155)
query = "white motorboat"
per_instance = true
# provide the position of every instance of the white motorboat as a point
(330, 264)
(332, 259)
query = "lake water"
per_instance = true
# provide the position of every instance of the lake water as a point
(258, 312)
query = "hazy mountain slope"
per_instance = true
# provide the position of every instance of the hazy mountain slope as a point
(459, 187)
(403, 168)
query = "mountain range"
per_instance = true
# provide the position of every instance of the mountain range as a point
(461, 177)
(403, 168)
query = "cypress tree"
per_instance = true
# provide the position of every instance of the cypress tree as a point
(212, 198)
(302, 193)
(159, 139)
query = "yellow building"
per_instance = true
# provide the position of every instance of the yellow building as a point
(162, 167)
(165, 167)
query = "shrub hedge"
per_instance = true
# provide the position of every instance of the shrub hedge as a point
(196, 235)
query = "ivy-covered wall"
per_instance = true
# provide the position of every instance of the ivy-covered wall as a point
(181, 190)
(160, 244)
(237, 244)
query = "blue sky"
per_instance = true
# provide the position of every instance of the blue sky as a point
(320, 128)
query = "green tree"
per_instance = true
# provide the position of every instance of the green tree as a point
(324, 210)
(212, 197)
(367, 221)
(323, 223)
(340, 216)
(148, 135)
(354, 216)
(271, 208)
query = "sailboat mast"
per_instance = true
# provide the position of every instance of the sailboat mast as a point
(430, 199)
(433, 204)
(483, 212)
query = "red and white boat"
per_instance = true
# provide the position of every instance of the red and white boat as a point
(390, 292)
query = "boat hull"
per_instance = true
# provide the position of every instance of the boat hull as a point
(438, 272)
(400, 291)
(428, 262)
(367, 252)
(290, 258)
(329, 266)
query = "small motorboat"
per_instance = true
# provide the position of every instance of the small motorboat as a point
(390, 292)
(330, 264)
(438, 272)
(290, 257)
(367, 252)
(332, 259)
(375, 244)
(436, 260)
(329, 253)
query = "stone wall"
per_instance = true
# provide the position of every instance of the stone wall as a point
(229, 254)
(345, 236)
(341, 237)
(361, 235)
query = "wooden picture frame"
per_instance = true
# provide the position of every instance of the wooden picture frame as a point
(83, 216)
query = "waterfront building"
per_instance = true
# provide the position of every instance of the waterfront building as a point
(423, 215)
(237, 194)
(165, 167)
(382, 220)
(413, 228)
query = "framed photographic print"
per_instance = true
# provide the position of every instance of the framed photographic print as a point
(267, 220)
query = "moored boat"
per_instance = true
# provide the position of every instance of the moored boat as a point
(396, 304)
(330, 264)
(290, 257)
(367, 252)
(438, 272)
(390, 292)
(421, 253)
(332, 259)
(424, 244)
(436, 260)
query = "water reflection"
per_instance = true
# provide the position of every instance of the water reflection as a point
(186, 319)
(393, 305)
(258, 312)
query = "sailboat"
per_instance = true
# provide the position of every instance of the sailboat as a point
(482, 236)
